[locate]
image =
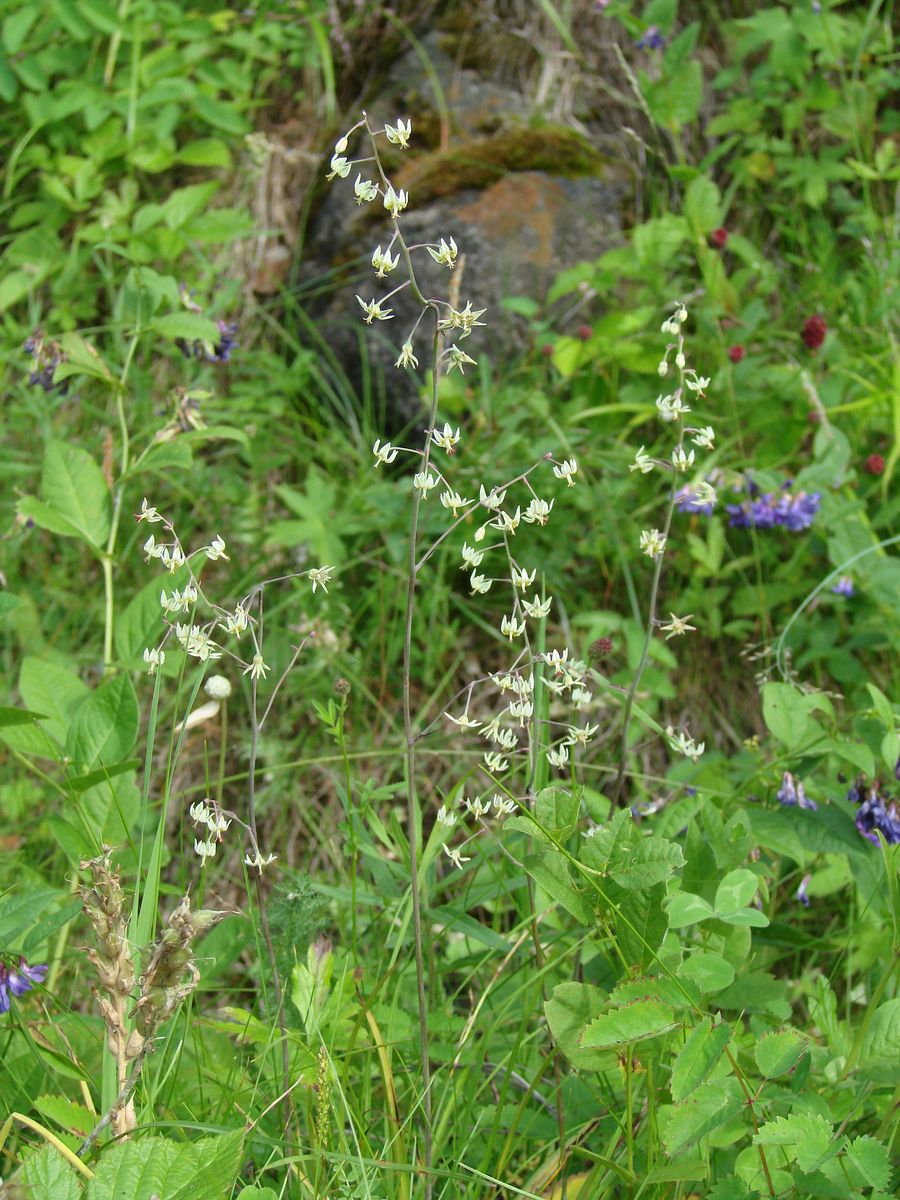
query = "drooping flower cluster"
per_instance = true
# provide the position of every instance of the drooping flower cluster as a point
(877, 812)
(16, 981)
(385, 259)
(46, 355)
(794, 511)
(792, 793)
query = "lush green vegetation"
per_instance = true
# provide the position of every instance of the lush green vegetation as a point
(336, 870)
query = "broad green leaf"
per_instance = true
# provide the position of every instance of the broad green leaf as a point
(54, 691)
(702, 206)
(868, 1163)
(189, 326)
(685, 908)
(8, 603)
(557, 810)
(778, 1052)
(48, 926)
(810, 1138)
(759, 992)
(880, 1056)
(47, 1176)
(657, 241)
(569, 1010)
(18, 716)
(73, 486)
(856, 753)
(45, 516)
(105, 725)
(711, 1105)
(735, 891)
(203, 1170)
(72, 1117)
(19, 912)
(632, 1023)
(257, 1193)
(786, 712)
(184, 203)
(640, 922)
(710, 972)
(881, 705)
(697, 1057)
(550, 870)
(651, 860)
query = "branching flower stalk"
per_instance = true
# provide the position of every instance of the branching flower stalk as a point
(672, 409)
(498, 516)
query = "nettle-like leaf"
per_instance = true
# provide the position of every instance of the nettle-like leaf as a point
(709, 1106)
(628, 857)
(635, 1022)
(698, 1057)
(776, 1053)
(810, 1138)
(203, 1170)
(571, 1008)
(868, 1163)
(47, 1176)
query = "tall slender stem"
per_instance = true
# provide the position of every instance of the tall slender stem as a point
(411, 797)
(118, 493)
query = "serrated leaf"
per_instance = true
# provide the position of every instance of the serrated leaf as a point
(810, 1136)
(204, 1170)
(735, 891)
(72, 1117)
(683, 1125)
(709, 972)
(47, 1176)
(778, 1052)
(635, 1022)
(650, 861)
(697, 1057)
(868, 1160)
(73, 486)
(569, 1010)
(105, 724)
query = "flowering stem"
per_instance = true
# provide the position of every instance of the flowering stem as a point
(411, 799)
(109, 614)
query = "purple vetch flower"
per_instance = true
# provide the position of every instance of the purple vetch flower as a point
(876, 814)
(652, 39)
(792, 792)
(844, 586)
(208, 351)
(45, 358)
(801, 893)
(794, 511)
(16, 981)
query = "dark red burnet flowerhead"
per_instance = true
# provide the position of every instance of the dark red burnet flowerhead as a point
(585, 332)
(813, 331)
(719, 237)
(736, 353)
(875, 464)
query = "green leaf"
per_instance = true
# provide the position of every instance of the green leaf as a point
(205, 152)
(8, 603)
(702, 206)
(189, 326)
(17, 716)
(776, 1053)
(657, 241)
(18, 913)
(697, 1057)
(73, 1118)
(54, 691)
(632, 1023)
(73, 486)
(550, 870)
(810, 1138)
(880, 1055)
(185, 203)
(105, 725)
(855, 753)
(881, 705)
(710, 972)
(46, 928)
(257, 1193)
(756, 991)
(711, 1105)
(786, 713)
(569, 1010)
(868, 1163)
(557, 810)
(47, 1176)
(735, 891)
(685, 908)
(204, 1170)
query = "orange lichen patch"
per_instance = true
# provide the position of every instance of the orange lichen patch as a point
(498, 212)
